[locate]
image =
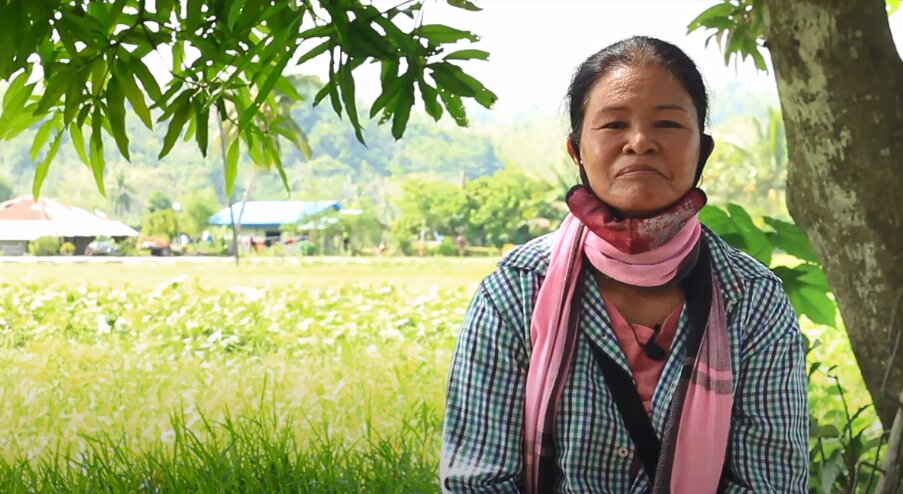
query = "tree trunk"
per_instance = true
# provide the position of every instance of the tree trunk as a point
(892, 483)
(840, 82)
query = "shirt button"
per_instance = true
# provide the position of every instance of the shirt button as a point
(623, 452)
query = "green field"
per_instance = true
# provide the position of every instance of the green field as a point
(295, 375)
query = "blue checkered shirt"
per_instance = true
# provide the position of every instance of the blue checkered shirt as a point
(482, 438)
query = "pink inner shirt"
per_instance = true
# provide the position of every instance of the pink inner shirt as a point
(645, 371)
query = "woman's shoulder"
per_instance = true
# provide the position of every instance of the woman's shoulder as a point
(532, 256)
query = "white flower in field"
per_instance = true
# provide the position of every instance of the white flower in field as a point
(168, 436)
(391, 333)
(371, 350)
(213, 338)
(36, 304)
(250, 294)
(103, 327)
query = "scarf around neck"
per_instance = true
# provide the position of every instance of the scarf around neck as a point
(644, 252)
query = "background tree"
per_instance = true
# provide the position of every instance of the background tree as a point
(227, 57)
(6, 191)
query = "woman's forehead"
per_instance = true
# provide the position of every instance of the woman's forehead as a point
(632, 87)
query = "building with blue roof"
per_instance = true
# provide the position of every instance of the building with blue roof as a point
(264, 218)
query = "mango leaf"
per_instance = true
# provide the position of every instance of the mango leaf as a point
(148, 82)
(346, 83)
(464, 4)
(40, 172)
(133, 93)
(718, 11)
(439, 34)
(402, 110)
(179, 117)
(231, 165)
(41, 137)
(116, 115)
(430, 99)
(202, 119)
(78, 142)
(455, 106)
(96, 157)
(468, 55)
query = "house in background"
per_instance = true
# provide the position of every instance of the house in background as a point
(263, 220)
(23, 220)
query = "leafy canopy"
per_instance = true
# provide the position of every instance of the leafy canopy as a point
(73, 65)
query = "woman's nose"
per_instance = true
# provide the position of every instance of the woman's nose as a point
(639, 143)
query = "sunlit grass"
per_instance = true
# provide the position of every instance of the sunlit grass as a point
(282, 376)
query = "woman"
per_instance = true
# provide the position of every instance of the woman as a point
(632, 350)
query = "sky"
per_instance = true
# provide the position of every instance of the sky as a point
(535, 45)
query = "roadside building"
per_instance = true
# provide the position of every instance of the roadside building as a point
(22, 220)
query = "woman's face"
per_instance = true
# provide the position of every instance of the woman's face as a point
(640, 139)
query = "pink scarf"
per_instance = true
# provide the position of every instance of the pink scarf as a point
(642, 252)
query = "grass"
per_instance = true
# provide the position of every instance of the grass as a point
(295, 375)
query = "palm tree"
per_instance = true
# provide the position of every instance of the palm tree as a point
(123, 194)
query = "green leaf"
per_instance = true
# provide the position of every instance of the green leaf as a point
(715, 11)
(41, 137)
(285, 86)
(430, 99)
(73, 100)
(789, 238)
(455, 107)
(234, 11)
(892, 6)
(179, 117)
(97, 159)
(439, 34)
(202, 117)
(263, 91)
(811, 302)
(231, 165)
(346, 83)
(391, 89)
(78, 142)
(14, 87)
(40, 172)
(139, 70)
(402, 110)
(289, 129)
(464, 4)
(116, 115)
(824, 431)
(757, 242)
(133, 93)
(468, 55)
(716, 219)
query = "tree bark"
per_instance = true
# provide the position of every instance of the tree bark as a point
(892, 482)
(840, 82)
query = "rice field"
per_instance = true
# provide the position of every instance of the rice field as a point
(290, 375)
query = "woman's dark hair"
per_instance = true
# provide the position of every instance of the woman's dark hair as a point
(631, 52)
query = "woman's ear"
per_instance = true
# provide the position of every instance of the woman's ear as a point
(573, 150)
(706, 145)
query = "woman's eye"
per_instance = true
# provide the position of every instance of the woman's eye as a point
(617, 124)
(668, 124)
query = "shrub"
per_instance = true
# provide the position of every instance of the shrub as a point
(447, 247)
(44, 246)
(67, 249)
(307, 248)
